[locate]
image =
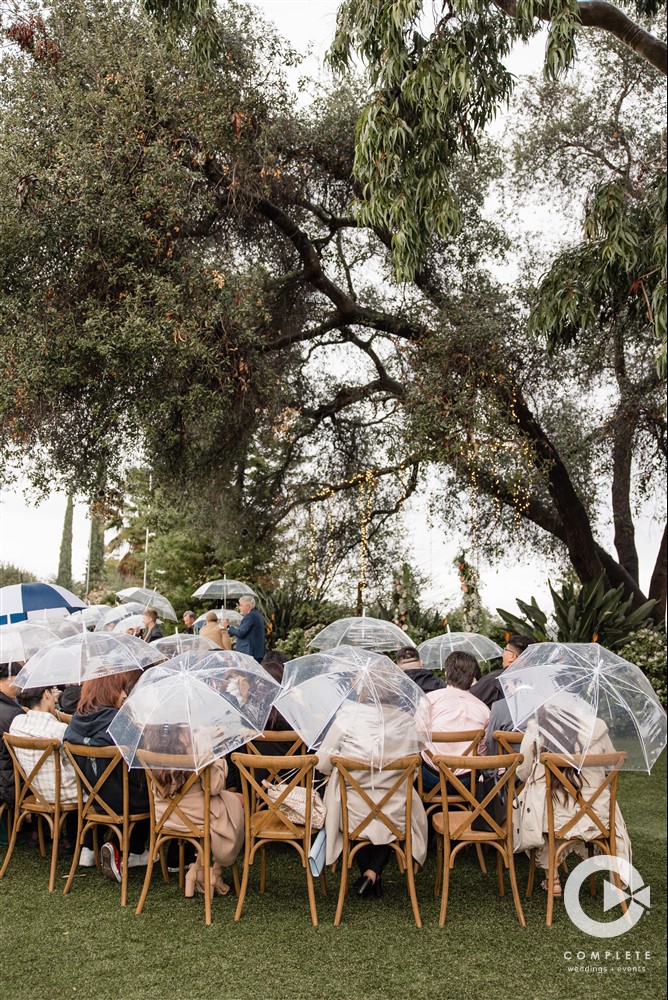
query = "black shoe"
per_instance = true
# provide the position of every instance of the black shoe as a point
(368, 887)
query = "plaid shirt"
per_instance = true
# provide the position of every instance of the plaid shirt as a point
(45, 726)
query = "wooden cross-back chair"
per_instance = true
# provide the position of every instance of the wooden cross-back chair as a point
(62, 716)
(402, 788)
(30, 801)
(432, 800)
(165, 829)
(455, 828)
(262, 746)
(266, 822)
(557, 781)
(94, 811)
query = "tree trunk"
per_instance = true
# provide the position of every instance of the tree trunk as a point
(657, 587)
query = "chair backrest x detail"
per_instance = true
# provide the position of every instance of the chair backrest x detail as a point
(173, 812)
(557, 780)
(503, 766)
(265, 813)
(23, 778)
(405, 768)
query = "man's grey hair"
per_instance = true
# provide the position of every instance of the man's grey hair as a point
(247, 599)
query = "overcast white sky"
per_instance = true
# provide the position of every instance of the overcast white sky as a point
(30, 536)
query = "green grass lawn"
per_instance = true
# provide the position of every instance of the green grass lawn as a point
(84, 946)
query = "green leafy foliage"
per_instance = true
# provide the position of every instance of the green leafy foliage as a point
(581, 614)
(10, 574)
(646, 647)
(291, 615)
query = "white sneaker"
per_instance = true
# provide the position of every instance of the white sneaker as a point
(87, 858)
(138, 860)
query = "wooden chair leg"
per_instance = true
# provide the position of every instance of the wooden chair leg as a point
(40, 836)
(55, 835)
(512, 875)
(235, 878)
(96, 846)
(481, 859)
(163, 863)
(263, 869)
(311, 896)
(323, 883)
(147, 876)
(125, 852)
(75, 857)
(207, 888)
(410, 878)
(244, 882)
(343, 888)
(439, 864)
(12, 843)
(551, 875)
(446, 885)
(499, 874)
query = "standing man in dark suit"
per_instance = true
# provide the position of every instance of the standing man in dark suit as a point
(9, 710)
(250, 633)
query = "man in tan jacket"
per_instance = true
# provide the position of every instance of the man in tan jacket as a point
(212, 630)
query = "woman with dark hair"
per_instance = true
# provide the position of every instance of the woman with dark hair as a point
(454, 709)
(99, 702)
(226, 821)
(552, 733)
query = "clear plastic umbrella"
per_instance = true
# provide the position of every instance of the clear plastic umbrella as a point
(201, 706)
(84, 657)
(148, 599)
(223, 588)
(434, 652)
(20, 641)
(172, 645)
(90, 615)
(113, 615)
(233, 617)
(568, 689)
(369, 633)
(362, 694)
(130, 622)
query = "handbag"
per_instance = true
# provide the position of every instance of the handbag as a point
(529, 812)
(316, 856)
(293, 805)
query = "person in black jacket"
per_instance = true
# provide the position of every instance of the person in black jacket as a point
(151, 630)
(9, 709)
(99, 702)
(488, 688)
(409, 660)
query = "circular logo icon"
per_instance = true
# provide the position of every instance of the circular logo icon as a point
(613, 895)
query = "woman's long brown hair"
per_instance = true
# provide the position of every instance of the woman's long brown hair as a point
(104, 692)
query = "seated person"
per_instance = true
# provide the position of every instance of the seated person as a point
(226, 821)
(69, 698)
(454, 709)
(9, 710)
(487, 688)
(100, 700)
(409, 660)
(352, 734)
(548, 734)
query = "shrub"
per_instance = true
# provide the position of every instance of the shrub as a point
(647, 649)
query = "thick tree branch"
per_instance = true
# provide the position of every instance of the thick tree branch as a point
(607, 17)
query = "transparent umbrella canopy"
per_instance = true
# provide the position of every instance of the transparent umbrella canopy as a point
(85, 657)
(569, 689)
(130, 621)
(114, 615)
(21, 641)
(198, 706)
(369, 633)
(223, 588)
(434, 652)
(148, 599)
(91, 615)
(357, 695)
(233, 617)
(172, 645)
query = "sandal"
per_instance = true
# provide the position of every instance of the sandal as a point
(546, 886)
